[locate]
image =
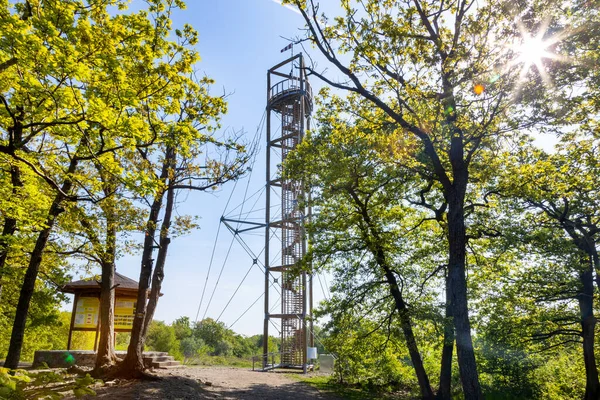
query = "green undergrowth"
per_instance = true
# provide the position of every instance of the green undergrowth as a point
(21, 384)
(326, 385)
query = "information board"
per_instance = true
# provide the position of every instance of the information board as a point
(124, 312)
(86, 312)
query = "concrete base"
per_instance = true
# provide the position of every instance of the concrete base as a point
(82, 358)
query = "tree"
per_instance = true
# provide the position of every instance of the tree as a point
(449, 85)
(212, 333)
(98, 234)
(86, 70)
(181, 167)
(161, 337)
(24, 199)
(191, 347)
(358, 216)
(183, 328)
(560, 190)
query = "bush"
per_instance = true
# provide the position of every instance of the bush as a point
(161, 337)
(191, 347)
(562, 377)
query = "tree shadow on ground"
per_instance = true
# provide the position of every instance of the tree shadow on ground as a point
(176, 387)
(293, 391)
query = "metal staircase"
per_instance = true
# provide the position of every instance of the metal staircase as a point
(289, 101)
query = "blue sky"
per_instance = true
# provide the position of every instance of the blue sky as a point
(238, 41)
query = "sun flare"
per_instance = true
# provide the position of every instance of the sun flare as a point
(532, 50)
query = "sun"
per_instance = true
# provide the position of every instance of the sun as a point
(532, 50)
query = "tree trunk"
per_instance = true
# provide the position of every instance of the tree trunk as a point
(596, 262)
(588, 324)
(454, 194)
(10, 227)
(10, 224)
(18, 331)
(409, 336)
(133, 364)
(445, 390)
(106, 356)
(159, 269)
(457, 241)
(106, 350)
(372, 237)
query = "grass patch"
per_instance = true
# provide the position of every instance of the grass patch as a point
(224, 361)
(324, 384)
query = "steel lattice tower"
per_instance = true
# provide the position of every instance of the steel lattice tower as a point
(289, 106)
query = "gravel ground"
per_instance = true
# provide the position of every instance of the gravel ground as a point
(213, 383)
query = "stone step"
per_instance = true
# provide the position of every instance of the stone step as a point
(158, 358)
(159, 361)
(172, 367)
(145, 353)
(165, 364)
(155, 353)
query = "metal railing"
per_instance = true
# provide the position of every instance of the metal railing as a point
(260, 358)
(288, 86)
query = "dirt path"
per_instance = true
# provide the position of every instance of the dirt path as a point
(214, 383)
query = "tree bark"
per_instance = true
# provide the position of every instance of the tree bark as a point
(159, 269)
(411, 343)
(454, 194)
(584, 240)
(106, 356)
(18, 331)
(133, 364)
(588, 324)
(445, 389)
(457, 241)
(595, 262)
(10, 224)
(106, 351)
(10, 227)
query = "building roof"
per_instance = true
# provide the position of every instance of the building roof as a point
(122, 283)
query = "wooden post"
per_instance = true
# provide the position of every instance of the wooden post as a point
(114, 331)
(97, 325)
(75, 300)
(96, 338)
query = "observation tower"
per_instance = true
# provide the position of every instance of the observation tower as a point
(289, 106)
